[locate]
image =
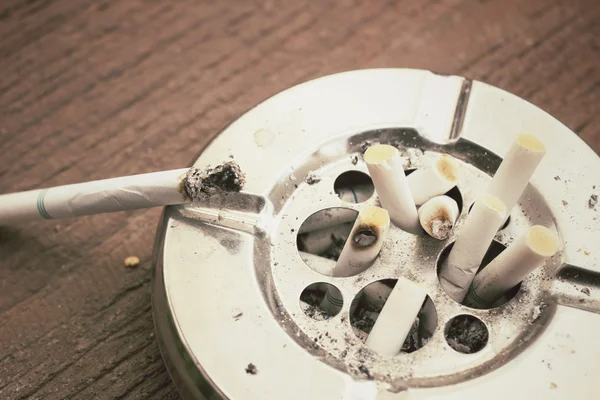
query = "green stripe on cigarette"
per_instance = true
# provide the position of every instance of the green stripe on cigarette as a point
(40, 204)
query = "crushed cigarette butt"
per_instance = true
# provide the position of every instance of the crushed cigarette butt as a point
(227, 177)
(131, 262)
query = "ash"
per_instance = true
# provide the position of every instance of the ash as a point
(312, 178)
(441, 228)
(335, 249)
(467, 335)
(593, 201)
(227, 177)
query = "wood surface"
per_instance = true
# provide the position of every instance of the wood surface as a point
(96, 89)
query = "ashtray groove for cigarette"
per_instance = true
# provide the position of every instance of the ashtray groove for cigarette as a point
(401, 234)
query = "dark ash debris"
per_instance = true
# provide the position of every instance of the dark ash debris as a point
(251, 369)
(593, 201)
(227, 177)
(312, 178)
(467, 334)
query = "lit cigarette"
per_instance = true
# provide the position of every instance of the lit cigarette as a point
(438, 215)
(120, 194)
(473, 240)
(364, 243)
(515, 171)
(512, 265)
(316, 242)
(387, 172)
(396, 318)
(434, 179)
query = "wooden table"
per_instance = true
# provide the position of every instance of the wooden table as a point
(96, 89)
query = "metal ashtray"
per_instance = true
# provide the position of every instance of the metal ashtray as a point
(229, 278)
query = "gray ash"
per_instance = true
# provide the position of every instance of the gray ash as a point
(251, 369)
(467, 334)
(335, 249)
(413, 341)
(312, 178)
(313, 298)
(365, 238)
(227, 177)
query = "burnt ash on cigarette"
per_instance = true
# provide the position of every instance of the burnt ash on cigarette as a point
(227, 177)
(364, 238)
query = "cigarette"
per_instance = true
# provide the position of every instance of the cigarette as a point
(434, 179)
(376, 294)
(515, 171)
(396, 318)
(364, 243)
(472, 243)
(438, 216)
(356, 193)
(316, 242)
(509, 268)
(327, 218)
(387, 172)
(320, 264)
(332, 301)
(120, 194)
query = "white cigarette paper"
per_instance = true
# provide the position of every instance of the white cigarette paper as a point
(438, 215)
(509, 268)
(516, 169)
(316, 242)
(376, 294)
(387, 172)
(108, 195)
(356, 193)
(472, 243)
(396, 318)
(364, 243)
(434, 179)
(328, 218)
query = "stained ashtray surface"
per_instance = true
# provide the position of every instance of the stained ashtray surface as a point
(229, 278)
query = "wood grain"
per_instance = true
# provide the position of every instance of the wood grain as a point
(92, 89)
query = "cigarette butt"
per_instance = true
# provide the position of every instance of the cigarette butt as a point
(396, 318)
(332, 301)
(364, 243)
(386, 170)
(516, 170)
(509, 268)
(434, 179)
(438, 215)
(318, 241)
(356, 193)
(472, 243)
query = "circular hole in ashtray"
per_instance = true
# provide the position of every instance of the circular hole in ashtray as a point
(369, 302)
(322, 236)
(453, 193)
(466, 334)
(502, 227)
(321, 301)
(354, 187)
(492, 252)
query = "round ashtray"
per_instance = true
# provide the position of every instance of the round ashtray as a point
(230, 301)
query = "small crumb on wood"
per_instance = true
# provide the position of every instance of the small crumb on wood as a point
(585, 291)
(593, 201)
(131, 262)
(251, 369)
(553, 385)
